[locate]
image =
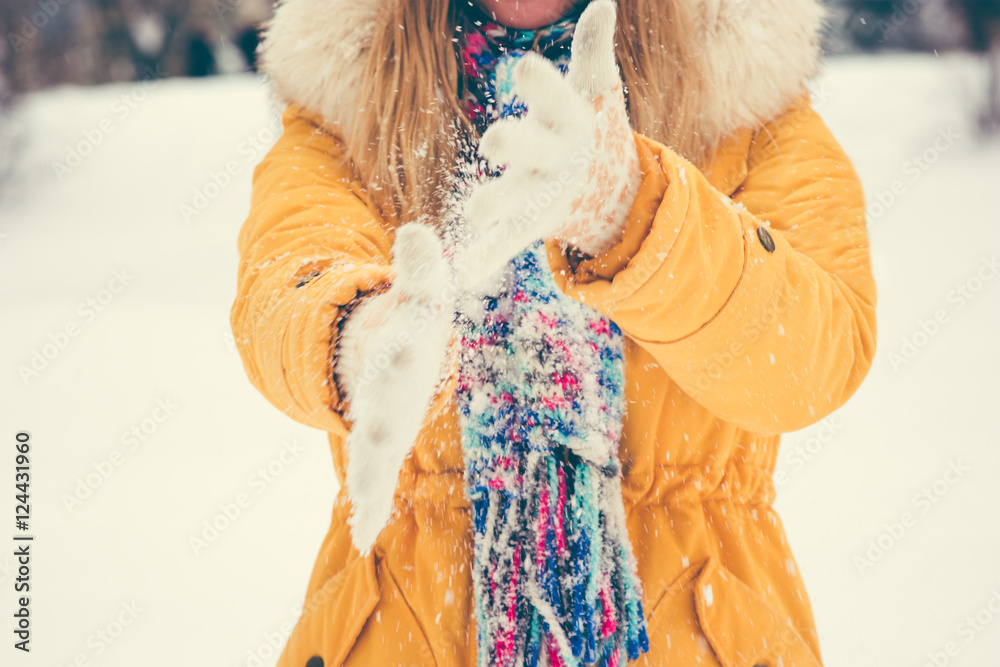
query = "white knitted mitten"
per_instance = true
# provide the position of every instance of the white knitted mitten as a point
(572, 169)
(392, 354)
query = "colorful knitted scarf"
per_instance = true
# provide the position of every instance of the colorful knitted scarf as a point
(541, 378)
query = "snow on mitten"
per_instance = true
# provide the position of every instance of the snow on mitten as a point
(572, 169)
(391, 355)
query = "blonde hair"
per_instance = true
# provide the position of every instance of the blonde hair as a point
(413, 121)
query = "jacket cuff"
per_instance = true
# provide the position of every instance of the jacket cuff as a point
(639, 221)
(361, 288)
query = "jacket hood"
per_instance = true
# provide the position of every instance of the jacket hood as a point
(758, 54)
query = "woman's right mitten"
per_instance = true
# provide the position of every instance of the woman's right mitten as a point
(391, 358)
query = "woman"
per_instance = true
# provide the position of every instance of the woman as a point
(709, 234)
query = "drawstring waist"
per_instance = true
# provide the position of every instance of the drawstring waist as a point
(670, 486)
(676, 486)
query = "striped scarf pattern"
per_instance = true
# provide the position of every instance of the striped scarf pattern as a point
(541, 377)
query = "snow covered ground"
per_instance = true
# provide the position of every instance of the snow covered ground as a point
(117, 271)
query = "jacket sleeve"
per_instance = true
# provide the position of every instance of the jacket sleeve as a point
(309, 246)
(760, 306)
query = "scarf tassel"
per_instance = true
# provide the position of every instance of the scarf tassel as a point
(535, 594)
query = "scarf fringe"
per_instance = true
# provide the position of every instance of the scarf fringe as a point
(565, 578)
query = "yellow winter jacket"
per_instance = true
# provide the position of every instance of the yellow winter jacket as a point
(747, 300)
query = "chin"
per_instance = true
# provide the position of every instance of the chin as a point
(527, 14)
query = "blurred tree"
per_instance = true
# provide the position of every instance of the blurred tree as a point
(97, 41)
(248, 41)
(983, 20)
(991, 119)
(938, 25)
(201, 58)
(869, 22)
(137, 35)
(10, 11)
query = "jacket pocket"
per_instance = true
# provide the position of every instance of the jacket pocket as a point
(743, 629)
(393, 634)
(333, 617)
(709, 618)
(673, 628)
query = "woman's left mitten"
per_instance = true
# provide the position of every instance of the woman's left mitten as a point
(571, 168)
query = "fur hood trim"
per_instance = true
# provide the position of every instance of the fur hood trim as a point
(759, 54)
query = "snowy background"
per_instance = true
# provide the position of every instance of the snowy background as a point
(117, 273)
